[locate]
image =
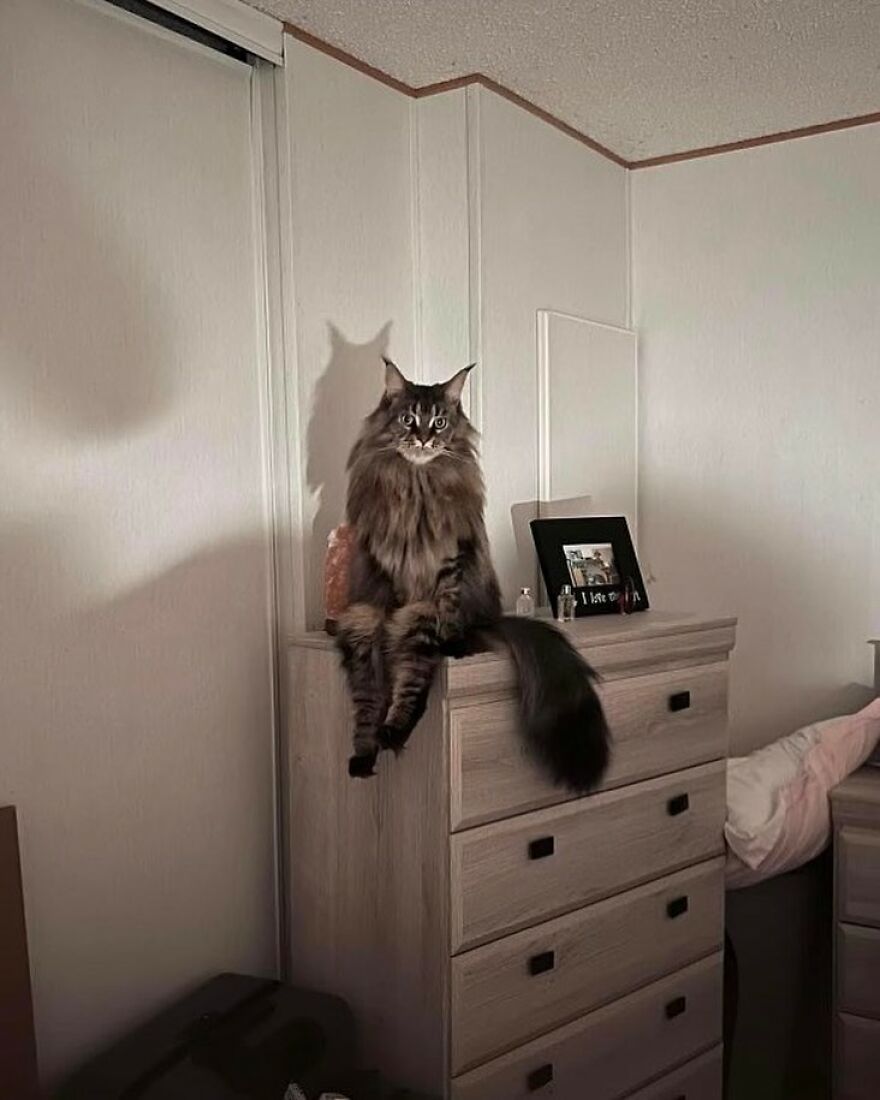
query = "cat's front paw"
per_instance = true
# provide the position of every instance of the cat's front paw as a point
(391, 738)
(361, 765)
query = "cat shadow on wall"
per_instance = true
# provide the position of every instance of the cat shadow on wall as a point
(346, 392)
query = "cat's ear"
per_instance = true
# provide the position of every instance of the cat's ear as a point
(394, 380)
(455, 385)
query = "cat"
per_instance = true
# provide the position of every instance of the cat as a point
(422, 586)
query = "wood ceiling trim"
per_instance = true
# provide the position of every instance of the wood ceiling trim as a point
(348, 59)
(751, 143)
(447, 86)
(539, 112)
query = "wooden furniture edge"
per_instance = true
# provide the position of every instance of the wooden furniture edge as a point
(670, 626)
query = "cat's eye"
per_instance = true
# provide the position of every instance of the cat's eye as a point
(439, 423)
(407, 420)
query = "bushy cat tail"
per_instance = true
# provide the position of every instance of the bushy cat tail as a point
(562, 717)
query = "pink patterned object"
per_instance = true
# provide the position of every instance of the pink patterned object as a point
(340, 544)
(778, 814)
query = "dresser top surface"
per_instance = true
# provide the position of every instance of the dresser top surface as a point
(592, 632)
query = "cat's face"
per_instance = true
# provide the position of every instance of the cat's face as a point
(423, 422)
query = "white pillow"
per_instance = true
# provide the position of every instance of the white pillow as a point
(778, 815)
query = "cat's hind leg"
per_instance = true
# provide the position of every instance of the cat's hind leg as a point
(360, 641)
(413, 653)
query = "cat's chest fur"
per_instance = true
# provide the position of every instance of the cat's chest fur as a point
(416, 520)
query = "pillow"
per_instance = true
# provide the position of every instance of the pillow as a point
(778, 815)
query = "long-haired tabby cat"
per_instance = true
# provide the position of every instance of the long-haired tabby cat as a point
(422, 586)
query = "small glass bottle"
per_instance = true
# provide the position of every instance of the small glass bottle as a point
(525, 604)
(565, 604)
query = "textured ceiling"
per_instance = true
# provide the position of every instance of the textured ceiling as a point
(642, 77)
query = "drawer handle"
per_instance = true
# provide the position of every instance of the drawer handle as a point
(681, 700)
(676, 907)
(540, 964)
(541, 848)
(676, 1007)
(540, 1077)
(678, 805)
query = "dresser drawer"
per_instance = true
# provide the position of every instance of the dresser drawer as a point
(858, 875)
(701, 1079)
(660, 722)
(858, 970)
(615, 1048)
(524, 985)
(858, 1059)
(513, 873)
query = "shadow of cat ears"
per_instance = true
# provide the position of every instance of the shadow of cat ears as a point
(395, 381)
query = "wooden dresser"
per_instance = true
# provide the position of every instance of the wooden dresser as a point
(496, 938)
(856, 809)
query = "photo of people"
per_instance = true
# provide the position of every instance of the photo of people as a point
(591, 565)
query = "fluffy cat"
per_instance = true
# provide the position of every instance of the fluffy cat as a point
(422, 586)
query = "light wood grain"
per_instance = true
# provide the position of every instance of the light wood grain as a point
(856, 811)
(619, 647)
(603, 844)
(371, 891)
(858, 1065)
(856, 801)
(600, 1048)
(493, 777)
(616, 646)
(858, 970)
(858, 875)
(700, 1079)
(601, 952)
(591, 631)
(369, 883)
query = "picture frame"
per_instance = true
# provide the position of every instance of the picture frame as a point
(595, 555)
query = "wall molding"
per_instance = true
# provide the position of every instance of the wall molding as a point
(545, 490)
(448, 86)
(348, 59)
(252, 30)
(751, 143)
(526, 104)
(475, 258)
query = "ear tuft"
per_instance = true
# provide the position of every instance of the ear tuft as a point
(455, 385)
(394, 380)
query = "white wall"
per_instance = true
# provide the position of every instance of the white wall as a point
(444, 215)
(552, 235)
(351, 196)
(757, 300)
(434, 230)
(135, 711)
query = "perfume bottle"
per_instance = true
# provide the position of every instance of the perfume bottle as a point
(565, 604)
(525, 604)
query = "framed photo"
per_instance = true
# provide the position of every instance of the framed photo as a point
(595, 555)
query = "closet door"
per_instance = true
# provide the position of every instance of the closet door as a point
(135, 656)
